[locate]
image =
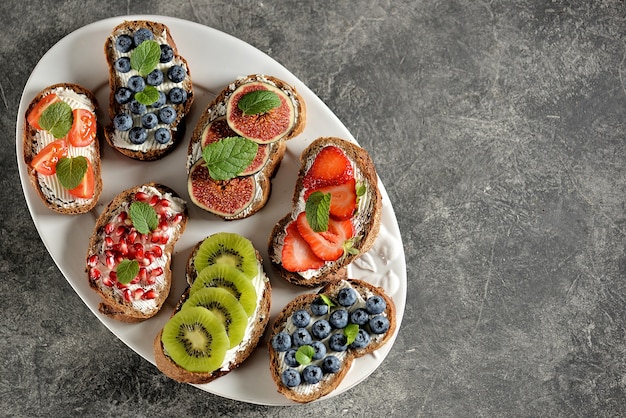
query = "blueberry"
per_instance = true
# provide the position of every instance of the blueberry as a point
(375, 305)
(346, 296)
(312, 374)
(281, 341)
(176, 73)
(331, 364)
(167, 53)
(123, 95)
(167, 114)
(142, 34)
(290, 358)
(379, 324)
(301, 337)
(177, 95)
(359, 316)
(155, 77)
(122, 122)
(136, 83)
(137, 108)
(339, 318)
(320, 349)
(124, 43)
(300, 318)
(160, 101)
(149, 120)
(362, 339)
(338, 342)
(162, 135)
(137, 135)
(318, 307)
(122, 64)
(290, 378)
(321, 329)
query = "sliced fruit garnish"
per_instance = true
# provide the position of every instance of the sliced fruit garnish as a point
(327, 245)
(264, 127)
(86, 187)
(45, 162)
(297, 255)
(342, 201)
(83, 130)
(35, 113)
(331, 167)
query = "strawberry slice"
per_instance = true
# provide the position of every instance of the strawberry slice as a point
(342, 200)
(296, 254)
(327, 245)
(331, 167)
(35, 113)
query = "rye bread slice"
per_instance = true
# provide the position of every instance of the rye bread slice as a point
(118, 140)
(309, 392)
(369, 217)
(258, 321)
(34, 140)
(262, 178)
(115, 301)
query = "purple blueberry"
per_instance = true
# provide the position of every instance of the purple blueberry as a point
(137, 135)
(319, 307)
(177, 95)
(149, 120)
(331, 364)
(136, 107)
(176, 73)
(136, 83)
(339, 318)
(379, 324)
(122, 122)
(320, 349)
(300, 318)
(362, 339)
(162, 135)
(122, 64)
(346, 296)
(160, 101)
(155, 77)
(290, 358)
(301, 337)
(375, 305)
(124, 43)
(167, 53)
(321, 329)
(123, 95)
(167, 114)
(290, 378)
(281, 341)
(338, 342)
(312, 374)
(142, 34)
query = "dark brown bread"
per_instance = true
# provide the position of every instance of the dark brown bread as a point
(53, 202)
(113, 306)
(332, 271)
(330, 381)
(276, 151)
(177, 127)
(174, 371)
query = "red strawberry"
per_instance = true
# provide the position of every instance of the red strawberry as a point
(331, 167)
(297, 255)
(342, 200)
(327, 245)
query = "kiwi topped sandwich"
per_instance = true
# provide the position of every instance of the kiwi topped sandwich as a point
(222, 314)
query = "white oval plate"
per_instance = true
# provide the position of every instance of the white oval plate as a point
(215, 59)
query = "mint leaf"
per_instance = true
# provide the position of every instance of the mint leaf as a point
(351, 331)
(145, 57)
(144, 217)
(228, 157)
(71, 170)
(305, 354)
(127, 270)
(148, 95)
(57, 119)
(317, 208)
(258, 101)
(328, 301)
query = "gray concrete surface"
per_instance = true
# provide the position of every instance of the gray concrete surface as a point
(499, 131)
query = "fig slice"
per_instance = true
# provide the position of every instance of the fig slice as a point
(219, 129)
(263, 127)
(223, 198)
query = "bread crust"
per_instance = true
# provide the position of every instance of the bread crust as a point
(177, 128)
(30, 151)
(329, 383)
(277, 148)
(110, 305)
(335, 271)
(174, 371)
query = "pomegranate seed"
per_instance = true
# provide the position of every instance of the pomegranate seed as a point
(156, 237)
(127, 295)
(132, 236)
(107, 281)
(135, 280)
(176, 219)
(157, 271)
(109, 228)
(108, 242)
(158, 251)
(92, 261)
(164, 239)
(141, 196)
(113, 276)
(122, 216)
(95, 274)
(138, 250)
(143, 273)
(119, 257)
(154, 200)
(109, 261)
(150, 294)
(121, 230)
(165, 203)
(164, 225)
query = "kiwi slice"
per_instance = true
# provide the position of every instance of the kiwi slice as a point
(226, 307)
(229, 278)
(195, 339)
(227, 248)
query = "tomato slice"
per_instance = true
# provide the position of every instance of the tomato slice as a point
(35, 113)
(83, 130)
(87, 185)
(45, 162)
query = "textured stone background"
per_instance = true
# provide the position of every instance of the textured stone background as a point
(498, 129)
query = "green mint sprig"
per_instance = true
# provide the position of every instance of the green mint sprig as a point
(145, 57)
(71, 170)
(304, 354)
(148, 95)
(258, 101)
(57, 119)
(351, 331)
(229, 156)
(127, 270)
(143, 216)
(317, 209)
